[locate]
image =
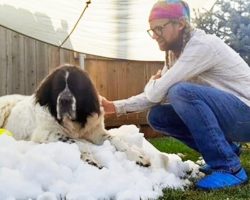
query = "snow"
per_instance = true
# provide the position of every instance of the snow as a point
(55, 171)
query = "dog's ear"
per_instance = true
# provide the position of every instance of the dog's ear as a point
(43, 91)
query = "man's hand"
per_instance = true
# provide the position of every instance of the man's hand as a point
(109, 107)
(156, 76)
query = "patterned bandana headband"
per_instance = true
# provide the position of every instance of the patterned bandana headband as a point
(170, 9)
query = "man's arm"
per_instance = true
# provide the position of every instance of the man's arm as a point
(136, 103)
(195, 59)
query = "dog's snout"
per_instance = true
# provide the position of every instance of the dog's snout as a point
(66, 105)
(66, 100)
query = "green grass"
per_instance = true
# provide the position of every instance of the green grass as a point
(171, 145)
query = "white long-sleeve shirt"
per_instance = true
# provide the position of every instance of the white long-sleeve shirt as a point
(206, 60)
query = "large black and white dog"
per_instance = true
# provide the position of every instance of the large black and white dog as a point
(65, 107)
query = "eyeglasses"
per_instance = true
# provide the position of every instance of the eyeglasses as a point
(158, 30)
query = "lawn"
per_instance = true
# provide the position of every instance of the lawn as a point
(170, 145)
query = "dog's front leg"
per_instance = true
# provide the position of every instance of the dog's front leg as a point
(133, 153)
(86, 154)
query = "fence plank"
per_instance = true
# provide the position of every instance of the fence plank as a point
(21, 63)
(54, 57)
(18, 75)
(10, 70)
(41, 61)
(30, 63)
(122, 77)
(64, 56)
(3, 63)
(97, 70)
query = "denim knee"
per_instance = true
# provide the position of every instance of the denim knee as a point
(179, 91)
(153, 115)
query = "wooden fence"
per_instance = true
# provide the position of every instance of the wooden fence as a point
(24, 62)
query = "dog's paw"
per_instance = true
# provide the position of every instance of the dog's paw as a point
(139, 157)
(143, 163)
(90, 160)
(94, 163)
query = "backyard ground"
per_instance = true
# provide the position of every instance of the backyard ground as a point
(170, 145)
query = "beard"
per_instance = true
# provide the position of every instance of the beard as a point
(174, 45)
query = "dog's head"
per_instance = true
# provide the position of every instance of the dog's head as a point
(68, 92)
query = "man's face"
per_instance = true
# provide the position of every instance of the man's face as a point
(168, 34)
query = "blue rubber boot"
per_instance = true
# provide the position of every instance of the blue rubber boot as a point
(221, 180)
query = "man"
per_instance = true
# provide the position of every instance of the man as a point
(207, 87)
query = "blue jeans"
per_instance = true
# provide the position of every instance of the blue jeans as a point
(206, 119)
